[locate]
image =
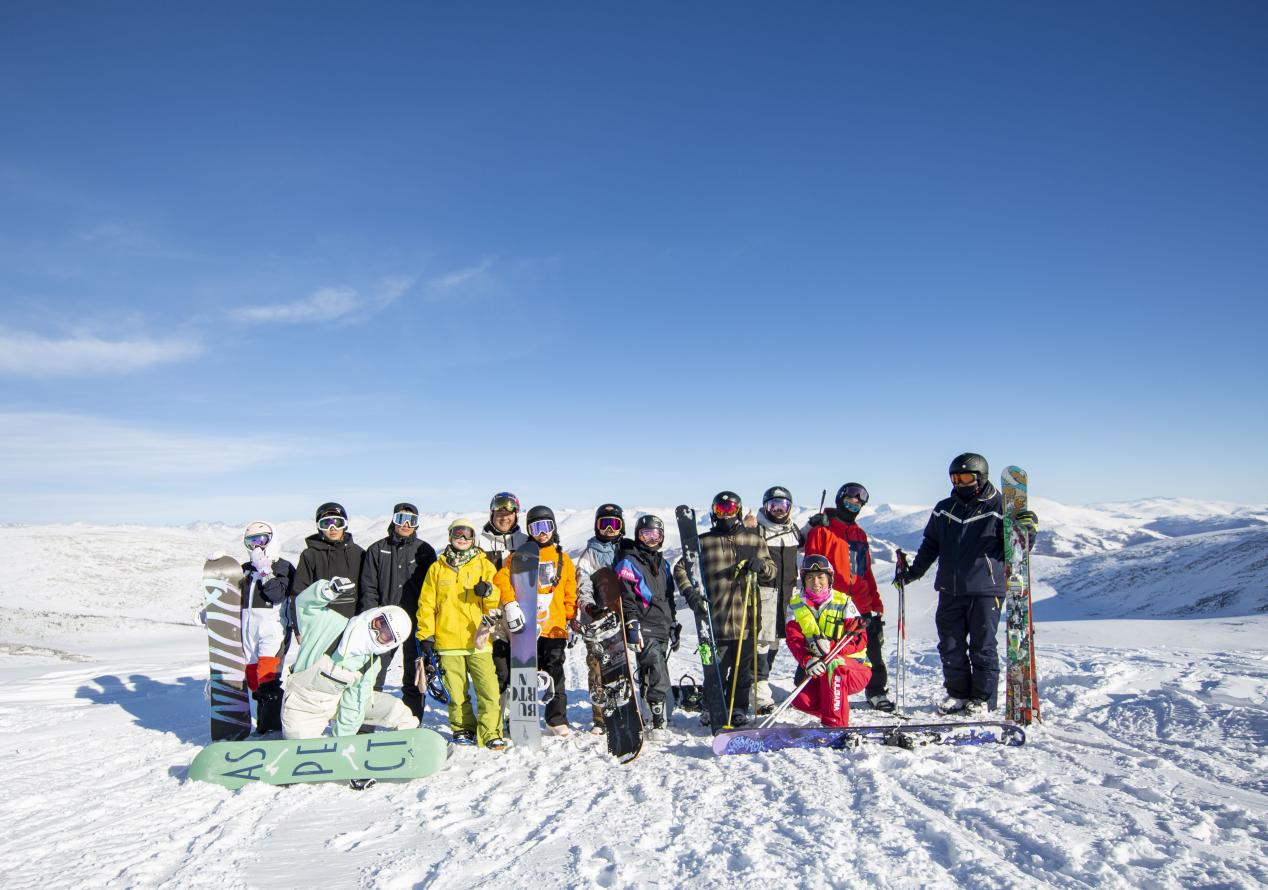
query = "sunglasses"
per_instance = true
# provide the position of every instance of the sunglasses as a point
(779, 505)
(541, 527)
(651, 536)
(726, 508)
(611, 524)
(329, 522)
(253, 541)
(462, 534)
(963, 478)
(409, 520)
(382, 630)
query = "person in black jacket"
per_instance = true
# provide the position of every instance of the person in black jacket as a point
(647, 598)
(392, 574)
(331, 553)
(965, 534)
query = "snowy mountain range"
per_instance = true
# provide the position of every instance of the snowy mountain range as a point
(1148, 770)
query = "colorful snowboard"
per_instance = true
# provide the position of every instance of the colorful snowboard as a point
(618, 699)
(222, 602)
(522, 696)
(1022, 686)
(902, 735)
(385, 756)
(714, 701)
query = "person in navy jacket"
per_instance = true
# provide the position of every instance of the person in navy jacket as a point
(965, 534)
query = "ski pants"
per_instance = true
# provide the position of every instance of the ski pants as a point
(828, 696)
(313, 698)
(477, 670)
(550, 658)
(502, 663)
(653, 673)
(874, 623)
(263, 644)
(741, 677)
(410, 693)
(968, 628)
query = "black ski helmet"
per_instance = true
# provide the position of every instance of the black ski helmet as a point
(971, 463)
(816, 563)
(330, 508)
(540, 512)
(775, 491)
(606, 510)
(851, 490)
(649, 520)
(726, 498)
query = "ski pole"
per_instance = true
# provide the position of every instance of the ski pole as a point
(900, 569)
(752, 583)
(739, 649)
(783, 706)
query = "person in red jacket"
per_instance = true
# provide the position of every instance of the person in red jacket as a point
(837, 535)
(827, 638)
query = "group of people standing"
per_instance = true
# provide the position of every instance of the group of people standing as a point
(452, 614)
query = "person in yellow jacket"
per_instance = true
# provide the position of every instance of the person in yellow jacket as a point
(556, 609)
(457, 610)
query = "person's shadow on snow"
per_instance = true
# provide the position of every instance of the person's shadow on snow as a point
(178, 708)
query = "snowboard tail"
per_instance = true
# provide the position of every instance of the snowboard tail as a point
(1021, 684)
(384, 756)
(903, 735)
(222, 604)
(618, 699)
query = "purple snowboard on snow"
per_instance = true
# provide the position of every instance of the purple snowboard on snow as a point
(903, 735)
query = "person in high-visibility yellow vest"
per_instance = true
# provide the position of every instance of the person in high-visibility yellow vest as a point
(827, 636)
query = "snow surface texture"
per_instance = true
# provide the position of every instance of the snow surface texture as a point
(1149, 770)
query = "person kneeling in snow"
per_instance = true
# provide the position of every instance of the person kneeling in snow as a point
(338, 662)
(828, 640)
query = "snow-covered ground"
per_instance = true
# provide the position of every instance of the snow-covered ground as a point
(1149, 769)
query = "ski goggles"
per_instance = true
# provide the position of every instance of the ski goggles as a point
(726, 509)
(504, 500)
(541, 527)
(610, 524)
(253, 541)
(382, 629)
(855, 492)
(462, 533)
(651, 536)
(963, 478)
(778, 505)
(329, 522)
(409, 520)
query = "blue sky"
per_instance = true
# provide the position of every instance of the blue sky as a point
(258, 256)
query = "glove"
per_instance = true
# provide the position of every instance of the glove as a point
(819, 520)
(1027, 521)
(675, 636)
(749, 565)
(343, 589)
(819, 646)
(485, 630)
(427, 648)
(816, 667)
(634, 635)
(260, 562)
(514, 617)
(902, 577)
(594, 611)
(491, 619)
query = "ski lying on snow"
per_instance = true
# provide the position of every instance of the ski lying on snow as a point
(902, 735)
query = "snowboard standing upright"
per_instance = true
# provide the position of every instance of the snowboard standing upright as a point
(384, 756)
(618, 699)
(714, 701)
(526, 725)
(1022, 703)
(222, 604)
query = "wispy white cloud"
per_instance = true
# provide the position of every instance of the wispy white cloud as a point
(331, 303)
(31, 355)
(71, 446)
(459, 277)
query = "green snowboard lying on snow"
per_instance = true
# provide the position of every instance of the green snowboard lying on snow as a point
(385, 756)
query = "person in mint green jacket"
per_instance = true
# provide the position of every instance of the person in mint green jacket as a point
(334, 673)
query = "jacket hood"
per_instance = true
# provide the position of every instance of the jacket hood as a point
(359, 637)
(317, 542)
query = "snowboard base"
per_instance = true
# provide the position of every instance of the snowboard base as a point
(903, 735)
(399, 755)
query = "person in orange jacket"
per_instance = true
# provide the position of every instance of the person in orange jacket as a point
(827, 637)
(556, 609)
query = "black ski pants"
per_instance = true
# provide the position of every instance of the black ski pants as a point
(742, 676)
(653, 673)
(550, 658)
(410, 693)
(968, 630)
(502, 664)
(874, 624)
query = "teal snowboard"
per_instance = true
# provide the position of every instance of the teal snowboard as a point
(384, 756)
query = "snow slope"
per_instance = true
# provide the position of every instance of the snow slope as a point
(1148, 772)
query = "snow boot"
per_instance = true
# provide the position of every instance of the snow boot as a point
(881, 703)
(765, 703)
(498, 744)
(464, 737)
(976, 707)
(951, 705)
(268, 707)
